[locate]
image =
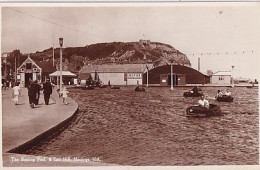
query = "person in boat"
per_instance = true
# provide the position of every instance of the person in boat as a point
(195, 90)
(219, 94)
(203, 102)
(138, 88)
(228, 93)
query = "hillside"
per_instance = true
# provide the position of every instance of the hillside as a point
(143, 51)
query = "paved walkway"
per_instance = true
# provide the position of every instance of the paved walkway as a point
(21, 123)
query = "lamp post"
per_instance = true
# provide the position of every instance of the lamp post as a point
(5, 68)
(171, 77)
(15, 74)
(53, 63)
(147, 78)
(61, 43)
(57, 69)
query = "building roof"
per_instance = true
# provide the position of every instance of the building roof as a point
(47, 66)
(84, 76)
(64, 73)
(116, 68)
(222, 73)
(28, 60)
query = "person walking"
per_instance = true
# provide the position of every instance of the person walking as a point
(32, 90)
(38, 92)
(65, 95)
(4, 85)
(47, 91)
(16, 93)
(12, 83)
(7, 84)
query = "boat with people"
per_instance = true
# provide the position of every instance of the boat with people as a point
(198, 111)
(224, 98)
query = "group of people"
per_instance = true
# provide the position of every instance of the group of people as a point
(220, 94)
(6, 84)
(34, 89)
(205, 103)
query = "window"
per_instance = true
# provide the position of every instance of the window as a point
(28, 66)
(221, 78)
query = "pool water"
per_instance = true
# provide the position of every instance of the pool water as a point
(151, 128)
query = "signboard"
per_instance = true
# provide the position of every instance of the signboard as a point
(28, 71)
(134, 75)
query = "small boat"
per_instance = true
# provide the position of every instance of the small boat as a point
(114, 87)
(198, 111)
(190, 94)
(225, 98)
(88, 88)
(139, 89)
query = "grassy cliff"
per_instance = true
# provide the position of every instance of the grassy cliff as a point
(143, 51)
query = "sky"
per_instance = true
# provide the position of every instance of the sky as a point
(228, 31)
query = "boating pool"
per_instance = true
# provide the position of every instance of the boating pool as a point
(151, 128)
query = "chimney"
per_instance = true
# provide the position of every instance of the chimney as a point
(198, 64)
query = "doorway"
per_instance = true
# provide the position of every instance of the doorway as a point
(175, 79)
(28, 78)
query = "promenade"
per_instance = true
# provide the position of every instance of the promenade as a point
(23, 125)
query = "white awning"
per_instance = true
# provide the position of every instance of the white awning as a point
(64, 73)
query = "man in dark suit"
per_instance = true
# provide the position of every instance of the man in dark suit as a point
(47, 91)
(32, 90)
